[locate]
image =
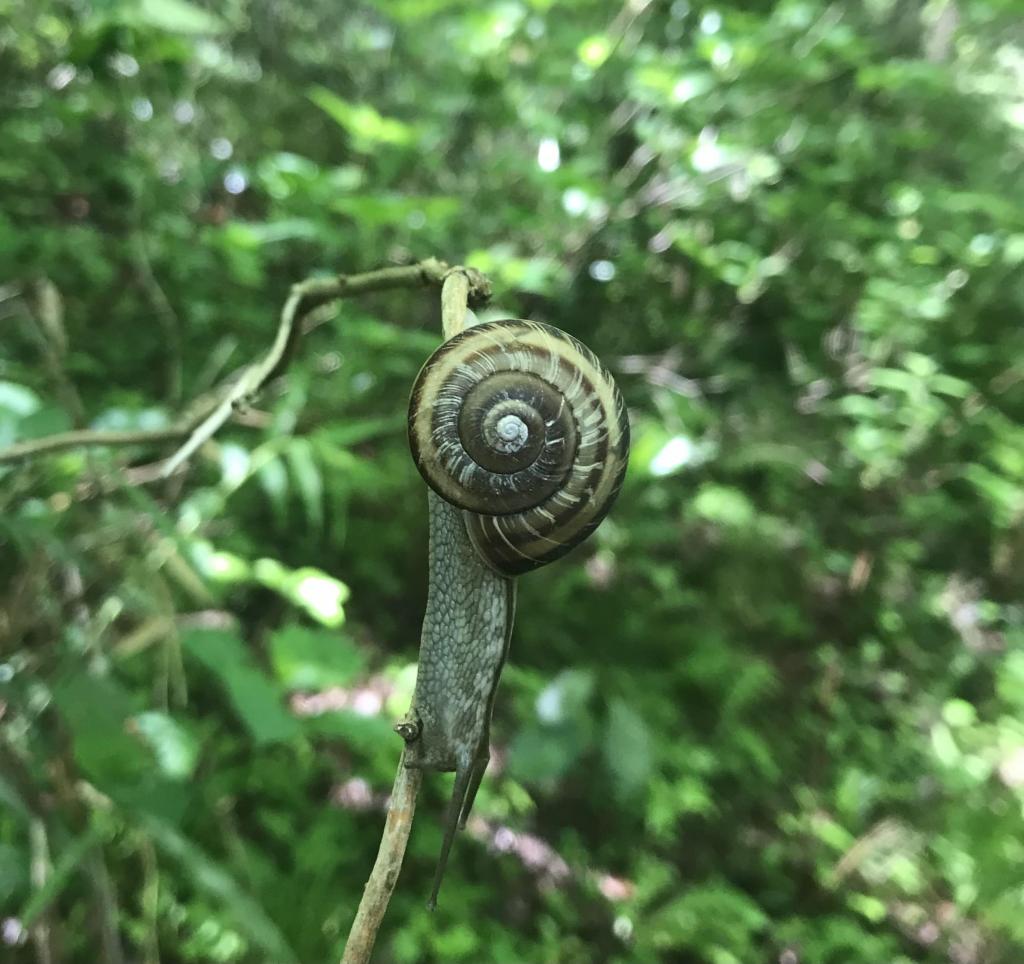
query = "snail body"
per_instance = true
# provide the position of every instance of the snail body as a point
(522, 436)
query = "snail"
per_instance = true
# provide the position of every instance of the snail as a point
(522, 436)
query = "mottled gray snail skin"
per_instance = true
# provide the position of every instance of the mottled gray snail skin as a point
(463, 646)
(522, 436)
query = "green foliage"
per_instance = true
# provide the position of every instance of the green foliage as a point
(770, 712)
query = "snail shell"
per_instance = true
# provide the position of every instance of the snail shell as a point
(521, 426)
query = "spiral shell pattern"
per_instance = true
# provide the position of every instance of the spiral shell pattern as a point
(521, 426)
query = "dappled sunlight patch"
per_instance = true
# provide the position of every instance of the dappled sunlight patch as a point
(319, 594)
(216, 564)
(661, 453)
(175, 747)
(674, 454)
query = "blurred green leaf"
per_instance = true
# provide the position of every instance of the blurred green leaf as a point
(215, 880)
(566, 696)
(178, 16)
(251, 234)
(18, 400)
(14, 863)
(627, 750)
(386, 209)
(60, 876)
(175, 748)
(366, 734)
(716, 921)
(257, 701)
(98, 712)
(307, 659)
(320, 595)
(944, 745)
(308, 480)
(12, 800)
(723, 505)
(273, 479)
(367, 127)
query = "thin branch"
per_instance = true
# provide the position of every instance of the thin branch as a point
(384, 876)
(40, 870)
(107, 911)
(205, 420)
(46, 313)
(303, 298)
(86, 438)
(454, 297)
(460, 286)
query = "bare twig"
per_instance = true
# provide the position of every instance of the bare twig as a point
(384, 876)
(203, 421)
(460, 286)
(40, 869)
(303, 298)
(454, 298)
(105, 903)
(86, 438)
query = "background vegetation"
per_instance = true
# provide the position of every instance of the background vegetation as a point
(771, 712)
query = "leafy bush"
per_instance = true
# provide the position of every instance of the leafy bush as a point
(771, 712)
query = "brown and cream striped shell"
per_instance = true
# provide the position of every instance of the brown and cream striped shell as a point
(521, 426)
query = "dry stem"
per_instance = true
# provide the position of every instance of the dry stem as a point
(206, 418)
(381, 883)
(461, 285)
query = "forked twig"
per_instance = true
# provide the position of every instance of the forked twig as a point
(303, 298)
(205, 416)
(460, 288)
